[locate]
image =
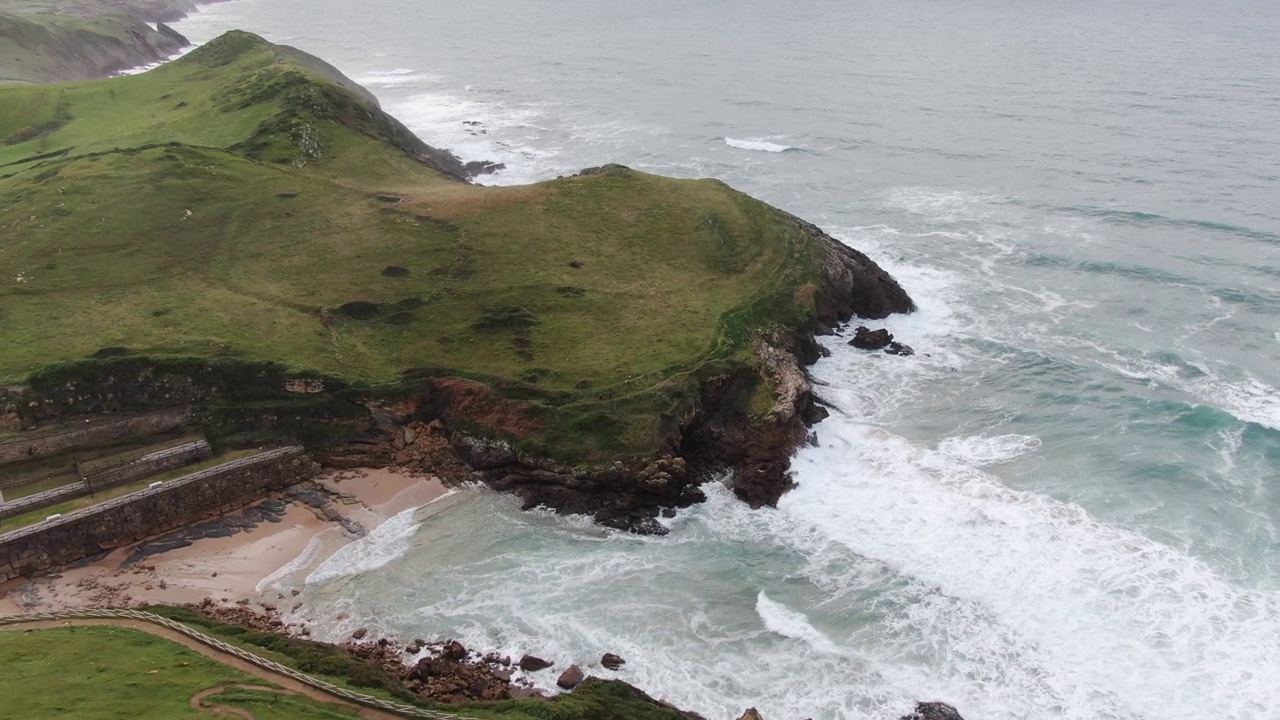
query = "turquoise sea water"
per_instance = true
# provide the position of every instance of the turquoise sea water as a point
(1066, 505)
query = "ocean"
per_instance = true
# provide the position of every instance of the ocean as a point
(1065, 505)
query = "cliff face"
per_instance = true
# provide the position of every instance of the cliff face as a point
(719, 432)
(38, 49)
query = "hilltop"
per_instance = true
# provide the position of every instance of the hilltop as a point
(246, 229)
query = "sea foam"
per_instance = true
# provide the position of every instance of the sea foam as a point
(757, 145)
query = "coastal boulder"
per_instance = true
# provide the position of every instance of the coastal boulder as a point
(933, 711)
(533, 663)
(612, 662)
(897, 348)
(751, 714)
(865, 338)
(571, 678)
(453, 650)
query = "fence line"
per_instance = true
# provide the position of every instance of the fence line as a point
(124, 614)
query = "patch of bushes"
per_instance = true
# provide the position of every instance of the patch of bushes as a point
(360, 310)
(505, 317)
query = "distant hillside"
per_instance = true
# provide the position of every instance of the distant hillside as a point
(45, 48)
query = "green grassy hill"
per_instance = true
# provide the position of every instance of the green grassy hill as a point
(244, 203)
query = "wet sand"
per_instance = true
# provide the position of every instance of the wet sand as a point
(231, 569)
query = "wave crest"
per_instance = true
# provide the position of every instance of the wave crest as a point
(758, 145)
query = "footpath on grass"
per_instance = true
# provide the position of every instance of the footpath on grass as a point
(291, 680)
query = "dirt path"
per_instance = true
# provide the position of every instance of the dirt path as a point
(291, 686)
(198, 700)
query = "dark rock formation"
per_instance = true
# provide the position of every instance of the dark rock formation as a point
(854, 285)
(446, 675)
(612, 662)
(476, 168)
(533, 663)
(571, 678)
(933, 711)
(865, 338)
(897, 348)
(622, 497)
(751, 714)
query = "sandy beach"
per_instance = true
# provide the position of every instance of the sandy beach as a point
(228, 558)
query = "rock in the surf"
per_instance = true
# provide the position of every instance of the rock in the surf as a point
(533, 663)
(933, 711)
(571, 678)
(865, 338)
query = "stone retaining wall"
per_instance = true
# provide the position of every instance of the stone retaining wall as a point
(111, 477)
(29, 447)
(125, 520)
(148, 465)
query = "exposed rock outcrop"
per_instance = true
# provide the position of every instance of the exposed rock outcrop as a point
(571, 678)
(865, 338)
(933, 711)
(533, 663)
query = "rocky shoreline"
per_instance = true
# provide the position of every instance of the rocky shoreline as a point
(446, 672)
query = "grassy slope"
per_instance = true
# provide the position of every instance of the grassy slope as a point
(230, 203)
(110, 672)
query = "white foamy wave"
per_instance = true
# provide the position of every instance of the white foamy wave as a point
(1117, 624)
(1250, 399)
(759, 145)
(787, 622)
(980, 450)
(476, 128)
(304, 559)
(398, 76)
(945, 206)
(385, 543)
(1247, 398)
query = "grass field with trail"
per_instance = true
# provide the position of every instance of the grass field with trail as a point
(240, 203)
(111, 673)
(103, 672)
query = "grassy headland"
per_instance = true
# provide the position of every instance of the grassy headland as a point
(248, 204)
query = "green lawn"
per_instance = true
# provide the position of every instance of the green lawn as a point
(103, 673)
